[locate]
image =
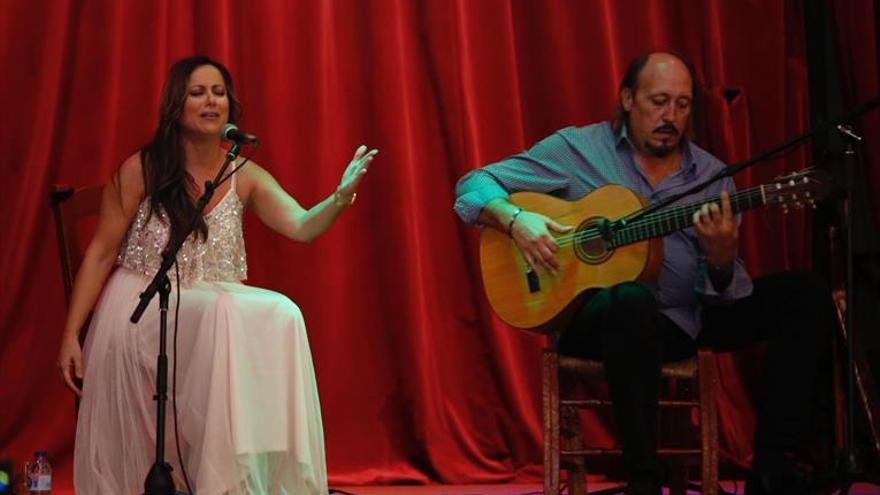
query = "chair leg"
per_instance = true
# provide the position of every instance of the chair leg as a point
(708, 383)
(572, 439)
(678, 480)
(550, 395)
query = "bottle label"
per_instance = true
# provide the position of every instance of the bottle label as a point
(42, 482)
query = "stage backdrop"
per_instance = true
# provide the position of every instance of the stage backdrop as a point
(419, 382)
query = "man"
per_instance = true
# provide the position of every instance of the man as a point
(703, 295)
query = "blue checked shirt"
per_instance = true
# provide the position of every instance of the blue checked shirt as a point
(576, 160)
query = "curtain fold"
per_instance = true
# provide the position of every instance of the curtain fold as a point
(419, 381)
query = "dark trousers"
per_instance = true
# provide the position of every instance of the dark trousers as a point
(622, 327)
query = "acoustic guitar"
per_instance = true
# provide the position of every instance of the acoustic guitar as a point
(604, 248)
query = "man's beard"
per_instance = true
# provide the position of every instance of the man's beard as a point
(663, 150)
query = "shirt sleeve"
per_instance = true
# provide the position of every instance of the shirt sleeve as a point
(543, 168)
(740, 284)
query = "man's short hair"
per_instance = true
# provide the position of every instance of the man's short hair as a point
(630, 81)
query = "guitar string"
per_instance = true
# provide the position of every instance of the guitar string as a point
(653, 219)
(593, 232)
(640, 226)
(661, 216)
(644, 224)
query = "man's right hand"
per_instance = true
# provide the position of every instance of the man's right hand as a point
(532, 234)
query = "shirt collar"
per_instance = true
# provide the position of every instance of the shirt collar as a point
(689, 163)
(621, 136)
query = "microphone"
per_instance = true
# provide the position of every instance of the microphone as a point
(231, 133)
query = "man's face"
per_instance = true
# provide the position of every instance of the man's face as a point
(660, 107)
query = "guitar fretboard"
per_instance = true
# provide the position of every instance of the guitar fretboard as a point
(664, 222)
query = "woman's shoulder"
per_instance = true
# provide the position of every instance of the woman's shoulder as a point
(128, 181)
(249, 177)
(252, 171)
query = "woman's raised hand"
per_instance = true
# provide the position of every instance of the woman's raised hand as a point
(354, 173)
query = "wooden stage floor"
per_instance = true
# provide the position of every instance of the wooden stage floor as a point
(533, 489)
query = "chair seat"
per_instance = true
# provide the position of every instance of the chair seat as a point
(685, 369)
(619, 452)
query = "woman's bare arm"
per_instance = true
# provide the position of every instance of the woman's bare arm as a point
(277, 209)
(119, 204)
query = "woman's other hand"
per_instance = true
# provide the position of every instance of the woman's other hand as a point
(70, 362)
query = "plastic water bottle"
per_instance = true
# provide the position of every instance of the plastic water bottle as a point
(39, 475)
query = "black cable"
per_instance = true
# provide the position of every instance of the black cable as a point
(174, 382)
(234, 170)
(174, 348)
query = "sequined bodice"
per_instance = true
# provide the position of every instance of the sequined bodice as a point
(219, 258)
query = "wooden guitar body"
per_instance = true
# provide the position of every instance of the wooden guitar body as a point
(595, 255)
(532, 300)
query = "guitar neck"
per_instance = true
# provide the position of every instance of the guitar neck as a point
(670, 220)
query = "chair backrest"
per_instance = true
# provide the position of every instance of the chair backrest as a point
(76, 217)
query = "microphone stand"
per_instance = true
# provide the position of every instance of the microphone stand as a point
(159, 480)
(849, 470)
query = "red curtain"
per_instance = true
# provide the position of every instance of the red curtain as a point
(856, 36)
(419, 382)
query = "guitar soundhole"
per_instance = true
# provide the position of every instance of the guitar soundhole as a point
(589, 245)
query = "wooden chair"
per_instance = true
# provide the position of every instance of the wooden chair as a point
(76, 212)
(76, 216)
(563, 442)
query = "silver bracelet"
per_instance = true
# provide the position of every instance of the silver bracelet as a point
(513, 219)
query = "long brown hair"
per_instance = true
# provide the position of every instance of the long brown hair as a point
(166, 180)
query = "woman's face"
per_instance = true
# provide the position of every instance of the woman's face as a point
(206, 108)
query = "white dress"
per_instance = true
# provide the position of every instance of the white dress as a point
(248, 410)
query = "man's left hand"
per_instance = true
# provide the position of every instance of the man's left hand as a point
(717, 231)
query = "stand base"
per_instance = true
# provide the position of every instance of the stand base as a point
(159, 480)
(839, 482)
(846, 482)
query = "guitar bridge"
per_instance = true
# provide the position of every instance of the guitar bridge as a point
(533, 281)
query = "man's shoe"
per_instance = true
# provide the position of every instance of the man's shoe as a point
(781, 478)
(643, 487)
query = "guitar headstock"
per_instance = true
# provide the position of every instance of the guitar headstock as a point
(798, 189)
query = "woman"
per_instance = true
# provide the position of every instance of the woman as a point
(248, 407)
